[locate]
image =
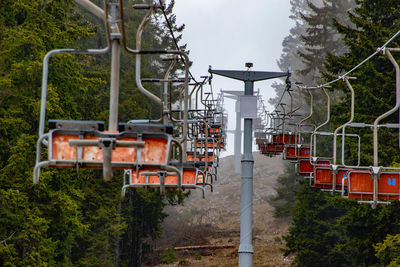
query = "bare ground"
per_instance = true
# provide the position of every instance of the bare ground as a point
(215, 220)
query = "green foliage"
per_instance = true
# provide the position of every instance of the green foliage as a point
(388, 252)
(197, 256)
(285, 198)
(169, 256)
(330, 231)
(315, 231)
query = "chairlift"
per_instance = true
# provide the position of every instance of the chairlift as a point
(143, 150)
(375, 183)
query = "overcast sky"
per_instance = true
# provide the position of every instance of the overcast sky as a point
(227, 33)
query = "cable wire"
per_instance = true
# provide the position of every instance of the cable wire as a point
(354, 68)
(288, 86)
(173, 36)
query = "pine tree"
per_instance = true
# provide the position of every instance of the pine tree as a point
(321, 36)
(314, 232)
(285, 198)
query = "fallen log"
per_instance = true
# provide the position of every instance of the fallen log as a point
(212, 247)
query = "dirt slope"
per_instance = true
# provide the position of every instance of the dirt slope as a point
(215, 219)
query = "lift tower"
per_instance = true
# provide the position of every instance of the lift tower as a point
(246, 209)
(238, 130)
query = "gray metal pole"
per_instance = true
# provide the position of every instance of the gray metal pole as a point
(238, 137)
(246, 204)
(114, 88)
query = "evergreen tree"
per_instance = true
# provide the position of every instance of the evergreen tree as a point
(388, 252)
(285, 199)
(321, 36)
(314, 231)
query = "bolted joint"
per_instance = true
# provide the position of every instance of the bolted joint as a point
(247, 157)
(107, 143)
(376, 170)
(334, 168)
(115, 36)
(246, 248)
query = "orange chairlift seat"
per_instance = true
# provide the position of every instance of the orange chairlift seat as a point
(264, 137)
(207, 165)
(203, 158)
(213, 148)
(306, 168)
(275, 148)
(323, 177)
(284, 138)
(322, 173)
(361, 184)
(264, 150)
(211, 143)
(269, 149)
(191, 178)
(214, 130)
(188, 176)
(296, 152)
(199, 157)
(199, 160)
(82, 144)
(294, 148)
(307, 164)
(261, 141)
(335, 176)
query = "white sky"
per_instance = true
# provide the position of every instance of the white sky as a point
(227, 33)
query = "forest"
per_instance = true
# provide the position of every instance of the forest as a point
(75, 219)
